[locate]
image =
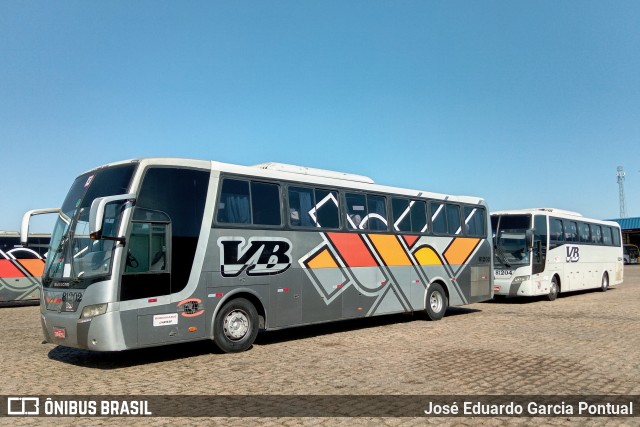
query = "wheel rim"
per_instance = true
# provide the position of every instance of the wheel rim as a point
(436, 301)
(605, 282)
(236, 324)
(554, 288)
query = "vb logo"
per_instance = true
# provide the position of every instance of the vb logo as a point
(260, 256)
(573, 254)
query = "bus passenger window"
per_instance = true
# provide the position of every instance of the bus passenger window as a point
(401, 215)
(356, 210)
(326, 210)
(438, 218)
(585, 234)
(571, 231)
(557, 234)
(596, 234)
(377, 217)
(233, 207)
(474, 221)
(418, 216)
(453, 219)
(265, 203)
(616, 236)
(301, 204)
(606, 236)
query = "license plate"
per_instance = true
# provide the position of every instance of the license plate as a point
(59, 333)
(503, 272)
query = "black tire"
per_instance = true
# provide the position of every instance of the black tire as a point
(437, 302)
(605, 282)
(554, 289)
(236, 326)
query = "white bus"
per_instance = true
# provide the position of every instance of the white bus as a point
(547, 251)
(156, 251)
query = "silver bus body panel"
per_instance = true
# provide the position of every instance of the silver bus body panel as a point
(100, 333)
(19, 290)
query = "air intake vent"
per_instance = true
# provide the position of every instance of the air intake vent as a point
(301, 170)
(560, 211)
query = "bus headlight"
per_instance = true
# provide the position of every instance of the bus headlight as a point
(93, 310)
(519, 279)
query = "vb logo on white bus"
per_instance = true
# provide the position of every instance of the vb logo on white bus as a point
(258, 257)
(573, 253)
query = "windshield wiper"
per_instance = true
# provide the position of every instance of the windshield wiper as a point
(502, 257)
(59, 250)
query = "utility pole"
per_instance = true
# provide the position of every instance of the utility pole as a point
(620, 176)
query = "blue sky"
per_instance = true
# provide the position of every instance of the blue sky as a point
(526, 103)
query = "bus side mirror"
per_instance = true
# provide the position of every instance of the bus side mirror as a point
(529, 238)
(97, 215)
(26, 218)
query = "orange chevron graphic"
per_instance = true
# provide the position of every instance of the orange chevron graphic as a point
(410, 240)
(7, 269)
(352, 249)
(33, 266)
(390, 249)
(459, 250)
(322, 260)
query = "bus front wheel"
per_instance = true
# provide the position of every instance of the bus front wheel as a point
(553, 289)
(236, 326)
(605, 282)
(437, 302)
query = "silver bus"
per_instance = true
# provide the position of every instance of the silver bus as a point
(155, 251)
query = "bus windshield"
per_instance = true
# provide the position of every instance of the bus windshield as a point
(74, 259)
(510, 237)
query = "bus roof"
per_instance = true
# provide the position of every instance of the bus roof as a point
(17, 234)
(302, 170)
(297, 174)
(560, 213)
(538, 210)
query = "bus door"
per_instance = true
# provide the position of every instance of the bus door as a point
(147, 274)
(540, 244)
(557, 251)
(147, 271)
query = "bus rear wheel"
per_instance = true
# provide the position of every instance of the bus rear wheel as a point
(605, 282)
(236, 326)
(437, 302)
(553, 289)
